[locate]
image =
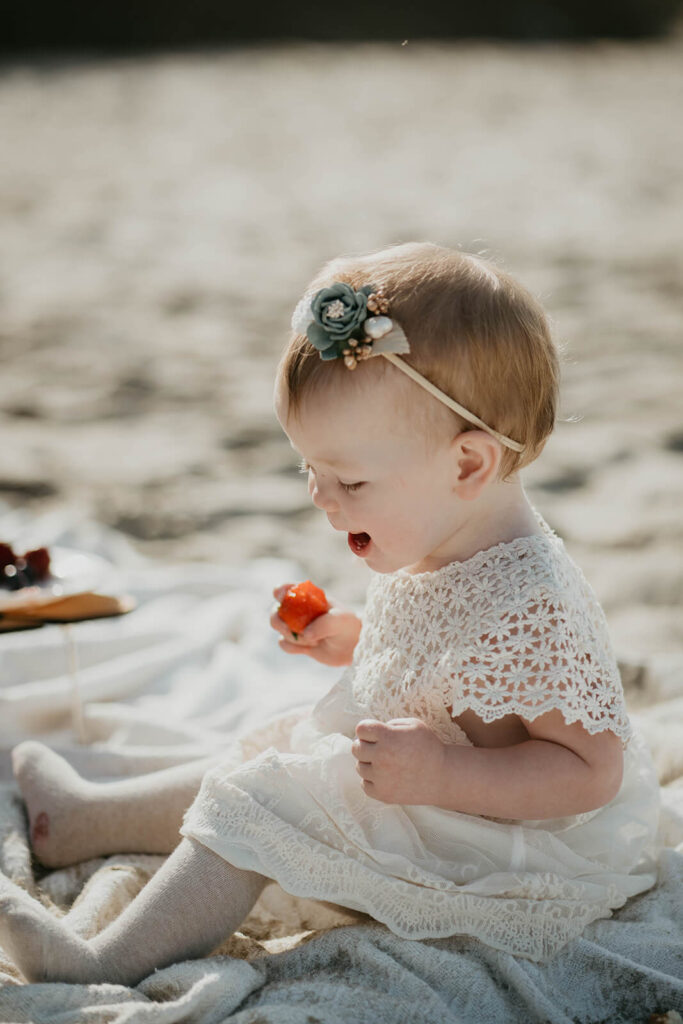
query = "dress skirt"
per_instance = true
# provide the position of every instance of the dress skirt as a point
(287, 802)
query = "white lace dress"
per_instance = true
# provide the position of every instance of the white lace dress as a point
(515, 628)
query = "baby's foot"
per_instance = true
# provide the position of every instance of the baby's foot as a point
(57, 799)
(41, 946)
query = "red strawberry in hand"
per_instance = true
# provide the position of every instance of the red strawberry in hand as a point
(301, 604)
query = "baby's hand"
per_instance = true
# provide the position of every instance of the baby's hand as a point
(400, 762)
(329, 639)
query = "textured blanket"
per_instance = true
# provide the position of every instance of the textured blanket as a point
(191, 668)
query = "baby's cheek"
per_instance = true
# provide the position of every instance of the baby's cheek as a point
(403, 532)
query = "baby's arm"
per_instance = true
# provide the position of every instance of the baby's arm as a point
(560, 770)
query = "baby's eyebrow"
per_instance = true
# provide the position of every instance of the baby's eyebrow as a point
(330, 461)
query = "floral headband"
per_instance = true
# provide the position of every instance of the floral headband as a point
(342, 323)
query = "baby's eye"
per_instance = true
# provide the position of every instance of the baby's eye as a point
(348, 487)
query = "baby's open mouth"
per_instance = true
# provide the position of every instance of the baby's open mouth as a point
(359, 542)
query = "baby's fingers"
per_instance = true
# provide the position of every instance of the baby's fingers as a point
(291, 648)
(317, 630)
(278, 625)
(279, 592)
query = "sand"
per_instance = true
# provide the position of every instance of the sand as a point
(161, 215)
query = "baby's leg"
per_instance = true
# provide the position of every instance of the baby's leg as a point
(193, 902)
(72, 819)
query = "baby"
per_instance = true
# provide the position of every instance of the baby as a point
(474, 770)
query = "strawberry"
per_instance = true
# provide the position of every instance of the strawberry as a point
(302, 603)
(17, 571)
(38, 562)
(7, 556)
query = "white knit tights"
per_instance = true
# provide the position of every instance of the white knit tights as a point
(193, 902)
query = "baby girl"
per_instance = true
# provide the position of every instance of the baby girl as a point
(474, 770)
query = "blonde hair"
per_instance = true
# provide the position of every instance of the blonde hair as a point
(473, 331)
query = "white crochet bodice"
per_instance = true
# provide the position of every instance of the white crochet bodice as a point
(514, 629)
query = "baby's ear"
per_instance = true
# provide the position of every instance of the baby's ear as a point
(477, 457)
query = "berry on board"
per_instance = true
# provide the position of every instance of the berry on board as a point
(17, 571)
(302, 603)
(7, 556)
(38, 561)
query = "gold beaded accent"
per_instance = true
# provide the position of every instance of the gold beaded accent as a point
(378, 303)
(353, 356)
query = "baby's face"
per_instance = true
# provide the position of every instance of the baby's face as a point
(373, 473)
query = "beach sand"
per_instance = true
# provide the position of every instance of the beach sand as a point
(161, 215)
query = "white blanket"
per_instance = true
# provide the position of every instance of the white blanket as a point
(196, 664)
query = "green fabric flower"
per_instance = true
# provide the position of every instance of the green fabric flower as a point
(338, 314)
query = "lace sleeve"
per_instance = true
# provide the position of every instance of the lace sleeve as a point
(538, 655)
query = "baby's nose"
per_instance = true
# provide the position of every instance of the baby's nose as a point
(322, 497)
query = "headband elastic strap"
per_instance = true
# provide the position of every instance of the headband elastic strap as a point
(450, 402)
